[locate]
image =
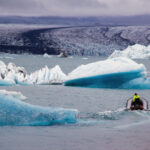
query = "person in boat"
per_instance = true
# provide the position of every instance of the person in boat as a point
(137, 102)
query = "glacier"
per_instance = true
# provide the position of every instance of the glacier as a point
(136, 51)
(109, 73)
(11, 75)
(14, 112)
(81, 40)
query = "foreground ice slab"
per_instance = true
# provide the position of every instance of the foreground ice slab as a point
(135, 52)
(15, 112)
(110, 73)
(11, 74)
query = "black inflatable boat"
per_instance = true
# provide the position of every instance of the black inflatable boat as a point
(143, 105)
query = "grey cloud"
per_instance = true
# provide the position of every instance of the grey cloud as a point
(74, 7)
(17, 4)
(16, 7)
(82, 3)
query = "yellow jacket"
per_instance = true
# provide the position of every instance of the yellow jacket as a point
(135, 97)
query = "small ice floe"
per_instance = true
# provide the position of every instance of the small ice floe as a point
(62, 54)
(6, 57)
(85, 58)
(47, 56)
(13, 94)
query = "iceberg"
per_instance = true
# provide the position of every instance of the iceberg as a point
(11, 74)
(110, 73)
(136, 51)
(138, 83)
(13, 94)
(62, 54)
(15, 112)
(47, 76)
(46, 55)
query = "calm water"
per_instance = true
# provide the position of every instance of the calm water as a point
(102, 123)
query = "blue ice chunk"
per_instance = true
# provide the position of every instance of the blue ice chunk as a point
(111, 80)
(16, 112)
(139, 83)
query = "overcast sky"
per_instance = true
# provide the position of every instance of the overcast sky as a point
(74, 7)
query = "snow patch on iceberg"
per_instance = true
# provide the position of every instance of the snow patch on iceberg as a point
(110, 73)
(136, 51)
(15, 112)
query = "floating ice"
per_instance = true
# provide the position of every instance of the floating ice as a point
(110, 73)
(47, 56)
(85, 58)
(6, 57)
(47, 76)
(135, 52)
(62, 55)
(13, 94)
(11, 74)
(138, 83)
(16, 112)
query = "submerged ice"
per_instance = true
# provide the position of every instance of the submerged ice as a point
(15, 112)
(136, 51)
(110, 73)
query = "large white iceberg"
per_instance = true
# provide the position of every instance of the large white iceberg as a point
(11, 74)
(114, 65)
(136, 51)
(110, 73)
(15, 112)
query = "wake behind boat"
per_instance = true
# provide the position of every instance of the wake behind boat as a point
(142, 105)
